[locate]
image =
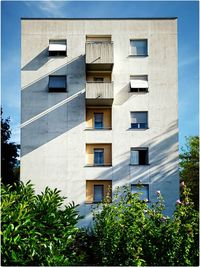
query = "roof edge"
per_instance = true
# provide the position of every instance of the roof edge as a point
(142, 18)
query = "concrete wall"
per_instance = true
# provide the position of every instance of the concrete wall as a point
(53, 136)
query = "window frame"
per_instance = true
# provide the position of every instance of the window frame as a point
(99, 164)
(57, 89)
(103, 196)
(137, 40)
(95, 113)
(139, 90)
(145, 185)
(140, 149)
(57, 53)
(147, 121)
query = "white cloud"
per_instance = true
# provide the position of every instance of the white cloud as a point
(48, 8)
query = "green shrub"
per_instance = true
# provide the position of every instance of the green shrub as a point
(129, 232)
(35, 230)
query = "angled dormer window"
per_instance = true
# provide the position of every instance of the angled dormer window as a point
(57, 48)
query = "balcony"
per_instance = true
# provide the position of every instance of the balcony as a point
(99, 93)
(99, 55)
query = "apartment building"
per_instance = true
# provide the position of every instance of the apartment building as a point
(99, 107)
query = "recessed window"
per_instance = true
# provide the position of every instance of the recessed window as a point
(99, 156)
(57, 48)
(98, 79)
(139, 83)
(139, 120)
(138, 47)
(57, 83)
(141, 188)
(98, 193)
(139, 156)
(98, 120)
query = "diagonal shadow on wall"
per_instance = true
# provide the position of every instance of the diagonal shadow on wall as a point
(46, 115)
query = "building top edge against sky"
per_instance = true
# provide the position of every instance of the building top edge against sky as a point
(127, 18)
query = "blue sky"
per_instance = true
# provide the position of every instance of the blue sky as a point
(188, 38)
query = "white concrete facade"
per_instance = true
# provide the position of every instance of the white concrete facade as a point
(53, 130)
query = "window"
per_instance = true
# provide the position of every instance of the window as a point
(139, 156)
(57, 47)
(139, 83)
(99, 156)
(98, 79)
(98, 193)
(141, 188)
(57, 83)
(138, 47)
(98, 190)
(98, 120)
(139, 120)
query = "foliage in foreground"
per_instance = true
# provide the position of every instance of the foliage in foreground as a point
(189, 167)
(128, 232)
(9, 154)
(35, 231)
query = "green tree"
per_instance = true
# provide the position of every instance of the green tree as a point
(36, 231)
(9, 154)
(130, 232)
(189, 167)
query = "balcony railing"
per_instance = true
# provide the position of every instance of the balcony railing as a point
(99, 92)
(99, 53)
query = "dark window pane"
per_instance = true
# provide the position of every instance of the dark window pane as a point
(98, 157)
(98, 120)
(98, 193)
(57, 83)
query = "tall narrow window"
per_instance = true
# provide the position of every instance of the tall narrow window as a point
(139, 156)
(143, 189)
(139, 120)
(138, 47)
(98, 120)
(98, 193)
(57, 48)
(57, 83)
(99, 156)
(139, 83)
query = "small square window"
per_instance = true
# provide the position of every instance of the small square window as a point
(98, 120)
(99, 156)
(98, 79)
(139, 83)
(98, 193)
(141, 188)
(139, 120)
(138, 47)
(57, 83)
(139, 156)
(57, 47)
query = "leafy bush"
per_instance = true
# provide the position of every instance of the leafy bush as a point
(35, 230)
(129, 232)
